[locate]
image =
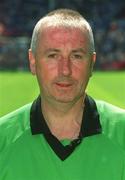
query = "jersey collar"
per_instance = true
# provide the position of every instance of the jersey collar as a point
(90, 126)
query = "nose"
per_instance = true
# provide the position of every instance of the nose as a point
(65, 67)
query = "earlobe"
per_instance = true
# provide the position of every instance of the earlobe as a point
(32, 62)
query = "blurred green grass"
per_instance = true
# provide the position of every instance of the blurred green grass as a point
(16, 89)
(19, 88)
(108, 86)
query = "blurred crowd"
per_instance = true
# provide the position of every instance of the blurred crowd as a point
(107, 18)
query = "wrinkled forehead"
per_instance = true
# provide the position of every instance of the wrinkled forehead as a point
(63, 32)
(63, 36)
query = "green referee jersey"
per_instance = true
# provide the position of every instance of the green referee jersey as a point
(28, 150)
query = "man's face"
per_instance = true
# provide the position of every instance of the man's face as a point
(62, 64)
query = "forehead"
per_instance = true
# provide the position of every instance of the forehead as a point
(63, 35)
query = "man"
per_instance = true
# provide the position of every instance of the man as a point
(64, 134)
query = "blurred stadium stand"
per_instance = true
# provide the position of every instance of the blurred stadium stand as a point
(18, 17)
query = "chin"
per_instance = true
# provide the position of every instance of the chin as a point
(66, 99)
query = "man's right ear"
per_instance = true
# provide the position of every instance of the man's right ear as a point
(32, 62)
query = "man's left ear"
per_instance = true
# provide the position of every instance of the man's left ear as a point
(32, 62)
(93, 59)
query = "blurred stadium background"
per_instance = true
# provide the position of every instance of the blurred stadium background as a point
(17, 19)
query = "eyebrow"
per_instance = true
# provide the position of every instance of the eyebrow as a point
(52, 50)
(81, 50)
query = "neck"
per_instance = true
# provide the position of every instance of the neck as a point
(63, 119)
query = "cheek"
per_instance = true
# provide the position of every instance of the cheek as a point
(81, 72)
(46, 72)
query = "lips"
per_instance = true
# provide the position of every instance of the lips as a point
(63, 84)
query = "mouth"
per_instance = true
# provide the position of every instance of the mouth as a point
(64, 85)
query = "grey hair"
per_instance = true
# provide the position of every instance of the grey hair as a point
(62, 18)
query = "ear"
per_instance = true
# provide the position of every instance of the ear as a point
(32, 62)
(93, 60)
(94, 57)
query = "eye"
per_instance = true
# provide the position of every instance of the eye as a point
(52, 56)
(76, 56)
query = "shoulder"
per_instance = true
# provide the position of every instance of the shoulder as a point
(17, 114)
(112, 119)
(110, 113)
(13, 125)
(107, 107)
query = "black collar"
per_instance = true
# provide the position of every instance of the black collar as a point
(90, 126)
